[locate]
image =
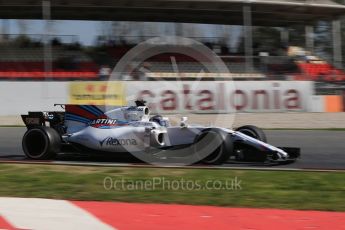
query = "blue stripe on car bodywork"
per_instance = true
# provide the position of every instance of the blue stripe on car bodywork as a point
(77, 120)
(91, 110)
(97, 109)
(122, 122)
(88, 110)
(70, 116)
(74, 119)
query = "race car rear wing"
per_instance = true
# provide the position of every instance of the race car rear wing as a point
(33, 119)
(59, 119)
(53, 119)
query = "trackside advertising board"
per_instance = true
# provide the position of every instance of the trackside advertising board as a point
(163, 97)
(97, 93)
(223, 96)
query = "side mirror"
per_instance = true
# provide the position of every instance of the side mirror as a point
(183, 122)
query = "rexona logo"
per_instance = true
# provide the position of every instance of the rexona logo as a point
(110, 141)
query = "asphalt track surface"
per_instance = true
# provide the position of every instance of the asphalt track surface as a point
(320, 149)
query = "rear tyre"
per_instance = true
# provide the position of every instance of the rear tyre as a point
(41, 143)
(253, 131)
(213, 146)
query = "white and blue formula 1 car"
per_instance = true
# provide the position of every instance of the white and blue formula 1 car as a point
(131, 130)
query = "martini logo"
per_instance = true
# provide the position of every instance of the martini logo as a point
(110, 141)
(103, 122)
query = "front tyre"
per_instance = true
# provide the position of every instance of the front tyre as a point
(213, 146)
(244, 152)
(253, 131)
(42, 143)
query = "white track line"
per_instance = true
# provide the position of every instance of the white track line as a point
(45, 214)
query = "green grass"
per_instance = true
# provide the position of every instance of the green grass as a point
(264, 189)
